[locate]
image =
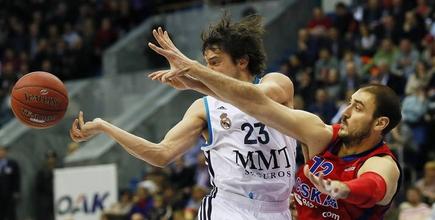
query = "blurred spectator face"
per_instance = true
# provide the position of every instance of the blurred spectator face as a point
(298, 102)
(125, 197)
(386, 45)
(142, 193)
(8, 70)
(46, 65)
(388, 21)
(3, 152)
(158, 202)
(364, 31)
(410, 17)
(9, 54)
(324, 54)
(350, 69)
(397, 3)
(383, 67)
(321, 96)
(420, 69)
(106, 24)
(333, 34)
(413, 196)
(373, 4)
(405, 46)
(333, 76)
(53, 31)
(340, 9)
(294, 60)
(429, 172)
(303, 34)
(137, 216)
(305, 79)
(317, 13)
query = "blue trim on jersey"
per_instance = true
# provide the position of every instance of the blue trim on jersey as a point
(210, 130)
(256, 80)
(362, 154)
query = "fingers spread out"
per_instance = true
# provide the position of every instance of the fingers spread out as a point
(158, 75)
(158, 49)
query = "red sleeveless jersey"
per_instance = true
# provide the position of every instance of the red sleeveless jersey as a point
(311, 204)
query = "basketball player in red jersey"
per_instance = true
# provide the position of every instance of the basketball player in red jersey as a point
(350, 173)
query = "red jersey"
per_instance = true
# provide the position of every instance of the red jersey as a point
(312, 204)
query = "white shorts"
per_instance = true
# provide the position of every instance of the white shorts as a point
(228, 206)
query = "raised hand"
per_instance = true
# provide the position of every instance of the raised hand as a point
(334, 188)
(182, 82)
(179, 63)
(81, 131)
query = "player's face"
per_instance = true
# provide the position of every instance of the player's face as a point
(357, 120)
(220, 61)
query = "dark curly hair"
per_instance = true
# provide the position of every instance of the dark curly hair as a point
(241, 39)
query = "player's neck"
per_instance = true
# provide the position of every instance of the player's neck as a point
(365, 144)
(245, 76)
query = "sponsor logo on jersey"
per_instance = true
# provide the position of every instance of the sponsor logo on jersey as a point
(222, 108)
(310, 196)
(330, 215)
(256, 163)
(225, 121)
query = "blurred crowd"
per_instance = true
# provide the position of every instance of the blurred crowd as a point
(391, 42)
(67, 38)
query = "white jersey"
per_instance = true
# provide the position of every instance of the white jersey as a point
(245, 157)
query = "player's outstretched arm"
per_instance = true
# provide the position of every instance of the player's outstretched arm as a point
(178, 140)
(375, 184)
(304, 126)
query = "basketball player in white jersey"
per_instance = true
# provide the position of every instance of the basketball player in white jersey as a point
(251, 166)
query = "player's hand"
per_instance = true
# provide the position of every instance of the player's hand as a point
(334, 188)
(81, 131)
(179, 63)
(179, 82)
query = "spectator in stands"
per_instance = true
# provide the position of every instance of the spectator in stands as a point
(324, 64)
(406, 59)
(142, 202)
(202, 177)
(344, 21)
(414, 110)
(387, 52)
(350, 81)
(160, 210)
(137, 216)
(388, 29)
(419, 79)
(305, 86)
(198, 192)
(372, 13)
(413, 208)
(319, 23)
(366, 42)
(427, 184)
(121, 208)
(307, 47)
(9, 185)
(323, 106)
(413, 28)
(384, 76)
(44, 187)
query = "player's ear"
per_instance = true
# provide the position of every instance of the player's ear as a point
(243, 62)
(381, 123)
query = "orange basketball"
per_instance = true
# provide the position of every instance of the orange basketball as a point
(39, 99)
